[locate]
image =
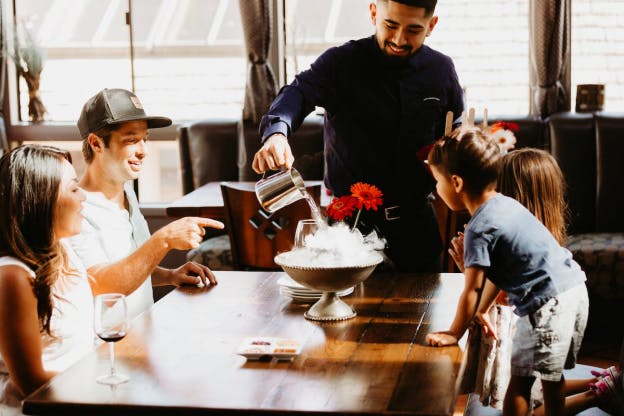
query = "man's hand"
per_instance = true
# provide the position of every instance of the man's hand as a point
(441, 338)
(457, 250)
(185, 233)
(274, 154)
(192, 273)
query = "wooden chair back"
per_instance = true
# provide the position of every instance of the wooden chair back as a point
(255, 235)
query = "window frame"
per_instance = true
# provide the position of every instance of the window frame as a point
(20, 131)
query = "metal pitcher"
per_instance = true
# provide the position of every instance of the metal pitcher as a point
(280, 189)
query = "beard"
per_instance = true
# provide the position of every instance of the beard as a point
(391, 59)
(396, 60)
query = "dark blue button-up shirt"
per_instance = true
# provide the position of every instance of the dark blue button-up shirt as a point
(379, 113)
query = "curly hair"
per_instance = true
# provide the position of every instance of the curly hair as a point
(30, 178)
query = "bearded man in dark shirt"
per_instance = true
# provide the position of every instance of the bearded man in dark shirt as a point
(385, 99)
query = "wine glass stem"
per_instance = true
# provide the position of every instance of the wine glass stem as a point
(111, 348)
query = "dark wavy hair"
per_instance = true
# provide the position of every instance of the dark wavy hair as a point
(30, 178)
(469, 153)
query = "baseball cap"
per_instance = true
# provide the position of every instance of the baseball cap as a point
(114, 106)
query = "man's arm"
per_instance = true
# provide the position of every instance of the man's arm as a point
(126, 275)
(313, 87)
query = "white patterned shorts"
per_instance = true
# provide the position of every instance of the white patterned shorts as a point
(548, 340)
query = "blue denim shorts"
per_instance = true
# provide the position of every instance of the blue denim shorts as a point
(548, 340)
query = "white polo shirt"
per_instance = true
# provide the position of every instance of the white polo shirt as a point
(110, 234)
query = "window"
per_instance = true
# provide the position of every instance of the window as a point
(314, 26)
(189, 57)
(189, 63)
(597, 48)
(86, 48)
(492, 61)
(489, 42)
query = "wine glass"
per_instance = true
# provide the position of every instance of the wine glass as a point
(305, 229)
(111, 324)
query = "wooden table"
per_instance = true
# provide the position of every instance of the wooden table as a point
(181, 355)
(206, 201)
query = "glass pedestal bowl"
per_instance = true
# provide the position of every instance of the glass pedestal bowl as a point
(329, 280)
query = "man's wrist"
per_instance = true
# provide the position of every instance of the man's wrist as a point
(279, 127)
(162, 276)
(160, 239)
(276, 136)
(169, 276)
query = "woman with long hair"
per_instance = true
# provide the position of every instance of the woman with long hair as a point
(46, 304)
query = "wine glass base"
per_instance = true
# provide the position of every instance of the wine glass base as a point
(329, 308)
(112, 379)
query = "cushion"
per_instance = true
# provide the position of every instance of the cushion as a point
(601, 255)
(215, 253)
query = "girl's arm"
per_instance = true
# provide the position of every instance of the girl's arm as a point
(466, 309)
(20, 339)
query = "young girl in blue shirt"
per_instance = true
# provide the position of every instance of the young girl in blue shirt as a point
(507, 244)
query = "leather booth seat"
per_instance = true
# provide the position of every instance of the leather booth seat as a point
(590, 151)
(223, 150)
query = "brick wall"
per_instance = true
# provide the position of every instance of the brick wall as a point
(598, 47)
(488, 40)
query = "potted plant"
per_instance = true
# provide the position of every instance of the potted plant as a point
(28, 57)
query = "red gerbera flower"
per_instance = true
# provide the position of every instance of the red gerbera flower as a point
(504, 125)
(368, 196)
(341, 208)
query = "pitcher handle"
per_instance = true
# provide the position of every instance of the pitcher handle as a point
(269, 170)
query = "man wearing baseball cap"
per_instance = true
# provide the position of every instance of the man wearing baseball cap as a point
(115, 245)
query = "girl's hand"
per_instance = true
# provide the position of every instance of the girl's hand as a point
(441, 338)
(456, 250)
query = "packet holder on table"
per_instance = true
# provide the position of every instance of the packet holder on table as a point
(257, 348)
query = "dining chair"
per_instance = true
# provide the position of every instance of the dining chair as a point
(256, 236)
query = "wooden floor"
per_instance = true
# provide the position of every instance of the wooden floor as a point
(601, 355)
